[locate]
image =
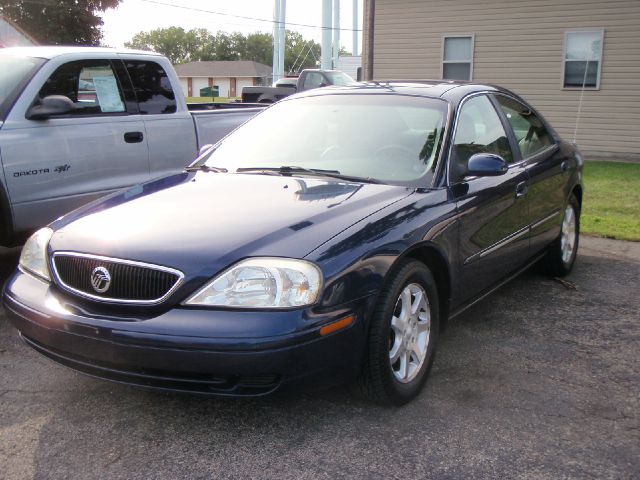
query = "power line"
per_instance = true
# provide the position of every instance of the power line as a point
(201, 10)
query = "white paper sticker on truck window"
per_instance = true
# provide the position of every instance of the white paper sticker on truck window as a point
(108, 94)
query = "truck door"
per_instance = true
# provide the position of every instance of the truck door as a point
(169, 125)
(55, 165)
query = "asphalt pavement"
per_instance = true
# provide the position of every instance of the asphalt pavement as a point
(540, 380)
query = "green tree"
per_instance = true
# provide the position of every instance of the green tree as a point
(299, 53)
(259, 48)
(59, 22)
(178, 45)
(181, 46)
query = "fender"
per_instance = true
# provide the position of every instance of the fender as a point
(7, 237)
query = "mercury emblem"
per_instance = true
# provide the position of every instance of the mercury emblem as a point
(100, 279)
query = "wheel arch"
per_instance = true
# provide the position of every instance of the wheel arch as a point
(577, 191)
(432, 256)
(6, 217)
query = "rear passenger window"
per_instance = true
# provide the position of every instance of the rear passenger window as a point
(152, 87)
(90, 84)
(479, 130)
(530, 132)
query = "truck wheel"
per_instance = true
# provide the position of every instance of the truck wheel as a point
(402, 337)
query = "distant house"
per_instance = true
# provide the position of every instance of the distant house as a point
(545, 51)
(229, 76)
(11, 35)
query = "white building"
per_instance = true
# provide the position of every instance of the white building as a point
(229, 76)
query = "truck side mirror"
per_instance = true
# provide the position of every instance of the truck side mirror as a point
(49, 106)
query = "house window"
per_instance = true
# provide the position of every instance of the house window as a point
(582, 59)
(457, 57)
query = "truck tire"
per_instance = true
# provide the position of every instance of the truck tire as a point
(7, 237)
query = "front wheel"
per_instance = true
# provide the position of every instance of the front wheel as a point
(562, 254)
(402, 336)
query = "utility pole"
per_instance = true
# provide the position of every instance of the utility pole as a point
(354, 52)
(325, 57)
(279, 14)
(336, 32)
(281, 41)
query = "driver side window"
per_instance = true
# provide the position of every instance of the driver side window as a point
(90, 84)
(313, 80)
(479, 130)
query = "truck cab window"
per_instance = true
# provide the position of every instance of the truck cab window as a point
(313, 80)
(90, 84)
(152, 87)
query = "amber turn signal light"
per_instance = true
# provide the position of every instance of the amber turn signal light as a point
(335, 326)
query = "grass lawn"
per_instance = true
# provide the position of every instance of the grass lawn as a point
(611, 204)
(209, 99)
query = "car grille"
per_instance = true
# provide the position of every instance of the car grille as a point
(125, 281)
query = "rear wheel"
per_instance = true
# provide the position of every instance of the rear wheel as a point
(562, 254)
(402, 336)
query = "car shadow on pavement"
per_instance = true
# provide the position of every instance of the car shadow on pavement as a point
(538, 380)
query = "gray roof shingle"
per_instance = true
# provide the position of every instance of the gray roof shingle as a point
(221, 68)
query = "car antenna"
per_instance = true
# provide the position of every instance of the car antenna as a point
(584, 81)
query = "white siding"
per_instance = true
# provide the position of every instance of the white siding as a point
(198, 83)
(224, 84)
(241, 83)
(519, 45)
(184, 83)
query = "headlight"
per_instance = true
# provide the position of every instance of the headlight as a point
(33, 257)
(262, 283)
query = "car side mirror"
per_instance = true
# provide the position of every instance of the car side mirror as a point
(486, 165)
(49, 106)
(205, 149)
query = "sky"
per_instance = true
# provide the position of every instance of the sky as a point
(133, 16)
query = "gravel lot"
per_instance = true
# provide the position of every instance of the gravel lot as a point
(538, 381)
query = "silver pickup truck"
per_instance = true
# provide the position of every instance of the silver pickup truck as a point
(78, 123)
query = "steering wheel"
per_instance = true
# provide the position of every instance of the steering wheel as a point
(330, 152)
(397, 160)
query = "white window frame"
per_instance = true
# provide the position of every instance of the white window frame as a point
(472, 36)
(564, 57)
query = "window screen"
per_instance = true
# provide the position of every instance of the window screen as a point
(152, 87)
(457, 58)
(582, 59)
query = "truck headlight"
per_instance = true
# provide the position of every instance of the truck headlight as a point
(33, 257)
(262, 283)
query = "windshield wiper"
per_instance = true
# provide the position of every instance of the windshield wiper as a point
(205, 168)
(292, 170)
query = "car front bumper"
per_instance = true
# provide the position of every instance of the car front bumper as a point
(189, 350)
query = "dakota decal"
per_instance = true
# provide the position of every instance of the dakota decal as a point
(31, 172)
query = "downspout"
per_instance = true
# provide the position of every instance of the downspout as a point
(370, 22)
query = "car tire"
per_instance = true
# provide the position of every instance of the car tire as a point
(402, 336)
(562, 254)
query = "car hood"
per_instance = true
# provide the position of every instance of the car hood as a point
(202, 222)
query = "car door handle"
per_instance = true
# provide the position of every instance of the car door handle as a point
(133, 137)
(521, 189)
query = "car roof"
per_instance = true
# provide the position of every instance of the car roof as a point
(450, 90)
(50, 52)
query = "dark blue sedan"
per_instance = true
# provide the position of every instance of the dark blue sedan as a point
(328, 239)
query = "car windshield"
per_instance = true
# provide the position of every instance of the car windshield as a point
(13, 71)
(339, 78)
(389, 138)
